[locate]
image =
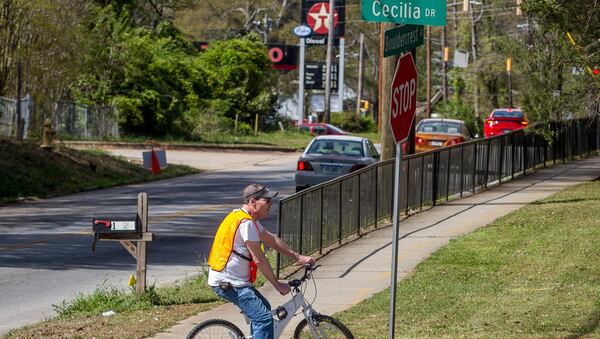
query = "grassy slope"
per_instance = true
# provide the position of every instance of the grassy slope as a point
(534, 272)
(28, 171)
(157, 310)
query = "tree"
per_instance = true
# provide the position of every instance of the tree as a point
(244, 83)
(553, 69)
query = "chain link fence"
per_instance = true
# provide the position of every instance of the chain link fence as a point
(71, 120)
(8, 115)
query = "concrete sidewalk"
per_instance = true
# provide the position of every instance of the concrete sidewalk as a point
(361, 268)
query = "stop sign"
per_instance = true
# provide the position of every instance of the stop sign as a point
(403, 97)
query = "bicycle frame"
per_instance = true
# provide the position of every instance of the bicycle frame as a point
(290, 307)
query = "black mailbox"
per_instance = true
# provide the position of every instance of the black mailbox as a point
(115, 224)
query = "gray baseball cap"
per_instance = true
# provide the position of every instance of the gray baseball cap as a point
(257, 191)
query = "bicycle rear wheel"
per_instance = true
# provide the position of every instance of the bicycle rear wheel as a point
(215, 329)
(326, 326)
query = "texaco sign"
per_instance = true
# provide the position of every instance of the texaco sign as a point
(315, 14)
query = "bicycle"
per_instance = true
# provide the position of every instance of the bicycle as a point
(314, 324)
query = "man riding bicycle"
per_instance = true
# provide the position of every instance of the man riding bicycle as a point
(236, 254)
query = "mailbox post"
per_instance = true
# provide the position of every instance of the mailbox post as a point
(127, 230)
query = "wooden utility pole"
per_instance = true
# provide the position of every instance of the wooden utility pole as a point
(328, 62)
(445, 55)
(388, 66)
(474, 22)
(379, 80)
(428, 63)
(360, 74)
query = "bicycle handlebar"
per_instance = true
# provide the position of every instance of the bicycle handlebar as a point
(308, 269)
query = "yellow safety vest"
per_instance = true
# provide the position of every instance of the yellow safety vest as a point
(223, 244)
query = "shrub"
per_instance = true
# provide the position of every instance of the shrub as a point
(350, 122)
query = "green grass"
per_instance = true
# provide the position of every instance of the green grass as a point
(534, 272)
(157, 309)
(288, 139)
(26, 171)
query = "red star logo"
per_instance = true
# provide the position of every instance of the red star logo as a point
(317, 18)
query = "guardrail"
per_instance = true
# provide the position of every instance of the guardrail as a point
(328, 214)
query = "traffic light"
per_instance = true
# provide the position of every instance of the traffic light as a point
(596, 71)
(364, 105)
(508, 65)
(446, 54)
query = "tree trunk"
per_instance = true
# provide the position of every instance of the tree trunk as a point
(388, 65)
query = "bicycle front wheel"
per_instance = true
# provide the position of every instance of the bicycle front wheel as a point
(325, 326)
(215, 329)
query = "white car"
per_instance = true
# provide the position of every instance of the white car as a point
(329, 156)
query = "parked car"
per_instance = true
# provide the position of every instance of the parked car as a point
(329, 156)
(438, 132)
(503, 120)
(316, 128)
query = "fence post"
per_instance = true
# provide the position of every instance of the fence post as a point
(545, 151)
(573, 145)
(487, 163)
(321, 230)
(422, 180)
(278, 257)
(340, 217)
(512, 156)
(501, 159)
(535, 151)
(476, 145)
(554, 142)
(376, 195)
(358, 207)
(597, 135)
(462, 169)
(566, 145)
(434, 184)
(448, 174)
(301, 223)
(407, 185)
(525, 156)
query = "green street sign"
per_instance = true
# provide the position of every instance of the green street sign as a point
(401, 39)
(416, 12)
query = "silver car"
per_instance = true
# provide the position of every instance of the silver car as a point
(329, 156)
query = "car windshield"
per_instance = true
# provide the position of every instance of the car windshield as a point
(504, 113)
(335, 129)
(343, 147)
(444, 127)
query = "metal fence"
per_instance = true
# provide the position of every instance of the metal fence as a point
(78, 121)
(8, 115)
(330, 213)
(70, 120)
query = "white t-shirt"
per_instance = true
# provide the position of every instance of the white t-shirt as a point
(237, 270)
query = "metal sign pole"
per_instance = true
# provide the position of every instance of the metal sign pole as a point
(395, 225)
(301, 82)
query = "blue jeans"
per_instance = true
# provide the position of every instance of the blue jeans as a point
(254, 305)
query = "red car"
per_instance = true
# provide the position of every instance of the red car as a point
(503, 120)
(316, 128)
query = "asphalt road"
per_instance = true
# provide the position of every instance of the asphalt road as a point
(45, 246)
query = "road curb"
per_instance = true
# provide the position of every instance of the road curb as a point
(176, 146)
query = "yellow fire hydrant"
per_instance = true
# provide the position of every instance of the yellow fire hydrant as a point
(47, 135)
